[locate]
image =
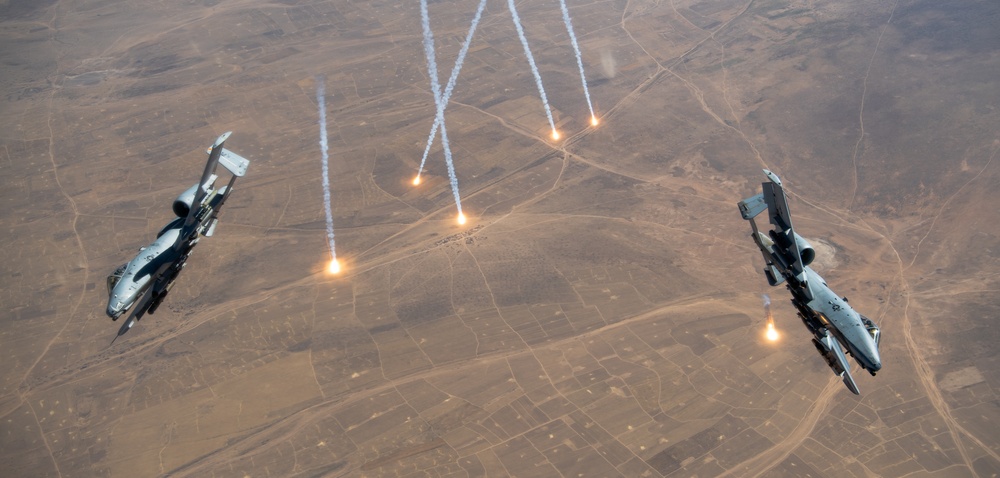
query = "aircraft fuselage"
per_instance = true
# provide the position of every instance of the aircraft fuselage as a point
(142, 271)
(834, 313)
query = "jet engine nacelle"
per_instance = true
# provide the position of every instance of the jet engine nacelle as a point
(805, 249)
(182, 205)
(782, 240)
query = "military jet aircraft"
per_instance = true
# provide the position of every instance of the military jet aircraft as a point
(828, 316)
(145, 280)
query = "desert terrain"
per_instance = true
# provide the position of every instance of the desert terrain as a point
(600, 313)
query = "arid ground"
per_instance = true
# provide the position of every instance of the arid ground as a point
(599, 315)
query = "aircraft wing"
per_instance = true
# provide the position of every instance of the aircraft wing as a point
(830, 349)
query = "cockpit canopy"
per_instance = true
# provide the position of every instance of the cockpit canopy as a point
(116, 276)
(876, 333)
(873, 329)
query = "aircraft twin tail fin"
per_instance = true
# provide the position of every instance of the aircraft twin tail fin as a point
(235, 164)
(207, 177)
(780, 246)
(750, 208)
(782, 234)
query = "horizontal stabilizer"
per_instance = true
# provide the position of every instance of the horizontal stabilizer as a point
(235, 163)
(751, 207)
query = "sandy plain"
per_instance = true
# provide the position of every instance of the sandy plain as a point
(599, 315)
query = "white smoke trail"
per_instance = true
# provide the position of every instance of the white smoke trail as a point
(436, 90)
(450, 87)
(324, 146)
(767, 300)
(576, 49)
(531, 61)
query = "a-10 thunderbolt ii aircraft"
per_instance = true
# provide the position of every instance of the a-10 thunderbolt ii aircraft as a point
(828, 316)
(145, 280)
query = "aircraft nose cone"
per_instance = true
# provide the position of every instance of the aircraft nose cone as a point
(114, 310)
(876, 360)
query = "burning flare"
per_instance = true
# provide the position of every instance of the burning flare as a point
(593, 121)
(461, 218)
(334, 267)
(771, 333)
(555, 134)
(416, 180)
